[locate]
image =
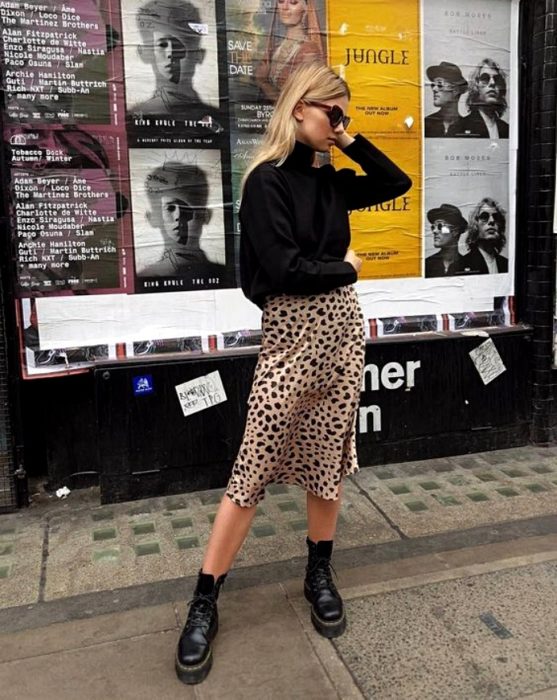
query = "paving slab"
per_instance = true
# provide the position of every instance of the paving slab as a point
(490, 636)
(140, 668)
(129, 544)
(21, 554)
(261, 651)
(62, 548)
(80, 634)
(406, 635)
(455, 493)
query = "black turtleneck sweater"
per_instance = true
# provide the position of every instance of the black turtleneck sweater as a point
(294, 219)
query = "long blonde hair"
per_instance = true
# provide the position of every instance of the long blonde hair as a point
(311, 82)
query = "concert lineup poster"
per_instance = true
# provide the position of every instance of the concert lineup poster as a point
(60, 62)
(173, 79)
(376, 48)
(69, 209)
(178, 219)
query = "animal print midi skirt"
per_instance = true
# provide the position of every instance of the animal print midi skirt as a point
(301, 422)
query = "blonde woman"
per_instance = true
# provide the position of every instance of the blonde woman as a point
(294, 38)
(296, 265)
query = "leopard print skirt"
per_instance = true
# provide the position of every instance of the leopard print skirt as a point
(301, 422)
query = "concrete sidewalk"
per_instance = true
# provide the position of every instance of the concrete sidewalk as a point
(451, 607)
(473, 623)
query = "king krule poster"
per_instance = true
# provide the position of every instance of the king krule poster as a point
(128, 126)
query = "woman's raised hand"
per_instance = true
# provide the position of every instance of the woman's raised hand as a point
(342, 139)
(354, 260)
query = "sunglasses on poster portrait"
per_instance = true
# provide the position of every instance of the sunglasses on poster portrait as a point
(441, 226)
(486, 216)
(484, 79)
(443, 85)
(334, 113)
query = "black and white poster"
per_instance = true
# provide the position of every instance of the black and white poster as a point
(178, 219)
(171, 68)
(467, 145)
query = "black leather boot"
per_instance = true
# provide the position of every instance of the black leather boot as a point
(327, 610)
(193, 655)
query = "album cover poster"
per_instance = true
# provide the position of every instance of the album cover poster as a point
(69, 209)
(468, 230)
(466, 70)
(266, 40)
(376, 46)
(60, 62)
(172, 73)
(178, 219)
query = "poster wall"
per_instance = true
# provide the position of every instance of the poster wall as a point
(127, 127)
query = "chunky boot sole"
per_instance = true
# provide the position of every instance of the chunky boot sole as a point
(327, 629)
(190, 675)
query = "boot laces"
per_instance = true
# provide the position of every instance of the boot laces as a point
(320, 573)
(201, 609)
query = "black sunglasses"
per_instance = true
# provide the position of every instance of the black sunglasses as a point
(334, 112)
(485, 78)
(485, 216)
(439, 226)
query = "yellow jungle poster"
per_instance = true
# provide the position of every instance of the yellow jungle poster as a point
(375, 46)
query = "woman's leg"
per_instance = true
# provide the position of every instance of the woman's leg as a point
(327, 610)
(194, 655)
(322, 516)
(230, 529)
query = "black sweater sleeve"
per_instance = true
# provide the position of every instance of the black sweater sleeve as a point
(383, 180)
(266, 218)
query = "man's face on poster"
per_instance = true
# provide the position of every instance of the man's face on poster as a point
(168, 54)
(491, 86)
(180, 222)
(445, 235)
(490, 223)
(444, 92)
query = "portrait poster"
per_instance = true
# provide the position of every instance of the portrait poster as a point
(467, 186)
(266, 41)
(178, 219)
(468, 143)
(172, 73)
(377, 50)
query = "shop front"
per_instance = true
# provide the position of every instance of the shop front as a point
(127, 129)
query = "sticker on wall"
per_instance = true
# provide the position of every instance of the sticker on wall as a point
(143, 384)
(488, 361)
(201, 393)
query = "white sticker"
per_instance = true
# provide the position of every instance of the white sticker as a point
(199, 28)
(488, 361)
(474, 332)
(201, 393)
